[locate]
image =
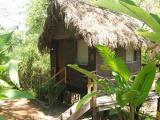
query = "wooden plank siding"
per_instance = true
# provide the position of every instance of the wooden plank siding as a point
(76, 79)
(66, 53)
(134, 67)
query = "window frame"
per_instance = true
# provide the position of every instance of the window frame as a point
(134, 55)
(77, 61)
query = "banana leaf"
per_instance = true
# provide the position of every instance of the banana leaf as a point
(15, 94)
(143, 83)
(13, 72)
(116, 64)
(114, 5)
(4, 84)
(143, 16)
(130, 9)
(153, 36)
(85, 99)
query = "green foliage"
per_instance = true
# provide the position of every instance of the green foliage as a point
(114, 5)
(143, 83)
(103, 82)
(128, 91)
(15, 94)
(36, 15)
(115, 63)
(4, 84)
(143, 16)
(153, 36)
(34, 68)
(13, 72)
(51, 91)
(134, 11)
(10, 67)
(1, 118)
(158, 86)
(85, 99)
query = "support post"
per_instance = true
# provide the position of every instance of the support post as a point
(93, 104)
(65, 75)
(158, 109)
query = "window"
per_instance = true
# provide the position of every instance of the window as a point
(131, 55)
(82, 52)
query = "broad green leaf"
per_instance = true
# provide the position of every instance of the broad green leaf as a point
(3, 68)
(5, 41)
(83, 71)
(13, 72)
(143, 16)
(2, 118)
(149, 118)
(2, 97)
(114, 5)
(156, 17)
(120, 101)
(4, 84)
(143, 82)
(130, 9)
(116, 64)
(16, 94)
(85, 99)
(102, 82)
(120, 82)
(5, 38)
(129, 2)
(130, 95)
(153, 36)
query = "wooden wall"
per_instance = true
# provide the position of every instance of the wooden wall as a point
(77, 80)
(121, 52)
(66, 53)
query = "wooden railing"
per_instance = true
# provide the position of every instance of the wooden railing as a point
(64, 79)
(93, 87)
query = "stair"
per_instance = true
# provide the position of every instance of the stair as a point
(73, 114)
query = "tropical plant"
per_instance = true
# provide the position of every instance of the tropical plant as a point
(128, 91)
(10, 87)
(34, 68)
(36, 15)
(130, 8)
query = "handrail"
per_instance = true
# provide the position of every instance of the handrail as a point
(59, 81)
(92, 87)
(58, 73)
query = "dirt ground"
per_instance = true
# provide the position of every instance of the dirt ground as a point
(24, 109)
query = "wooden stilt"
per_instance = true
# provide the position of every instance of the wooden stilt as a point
(158, 109)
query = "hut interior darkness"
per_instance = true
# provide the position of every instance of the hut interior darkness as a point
(72, 29)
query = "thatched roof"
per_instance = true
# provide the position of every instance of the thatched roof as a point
(94, 25)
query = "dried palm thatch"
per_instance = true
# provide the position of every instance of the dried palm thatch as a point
(94, 25)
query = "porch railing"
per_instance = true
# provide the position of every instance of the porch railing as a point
(64, 77)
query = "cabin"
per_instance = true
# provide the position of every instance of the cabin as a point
(72, 29)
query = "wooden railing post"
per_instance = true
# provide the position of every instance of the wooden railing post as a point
(92, 87)
(65, 75)
(93, 104)
(158, 109)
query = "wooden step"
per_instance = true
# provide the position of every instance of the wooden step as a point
(73, 114)
(102, 103)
